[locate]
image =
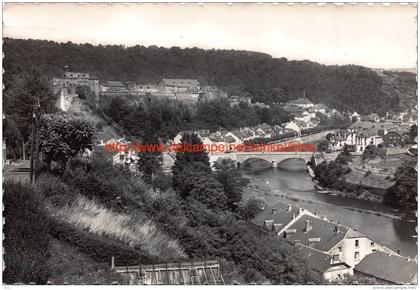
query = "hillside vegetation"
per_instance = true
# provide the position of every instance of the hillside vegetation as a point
(259, 75)
(94, 211)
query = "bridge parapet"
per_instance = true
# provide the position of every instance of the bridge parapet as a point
(273, 157)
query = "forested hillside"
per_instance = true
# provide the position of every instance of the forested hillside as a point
(259, 75)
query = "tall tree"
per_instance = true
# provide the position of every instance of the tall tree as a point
(63, 136)
(186, 158)
(230, 177)
(404, 192)
(21, 93)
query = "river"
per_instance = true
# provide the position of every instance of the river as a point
(291, 183)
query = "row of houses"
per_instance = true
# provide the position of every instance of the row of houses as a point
(240, 136)
(403, 118)
(364, 133)
(127, 155)
(333, 250)
(188, 90)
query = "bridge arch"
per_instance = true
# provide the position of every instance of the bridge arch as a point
(275, 160)
(274, 157)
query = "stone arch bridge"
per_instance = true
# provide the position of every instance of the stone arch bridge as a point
(273, 157)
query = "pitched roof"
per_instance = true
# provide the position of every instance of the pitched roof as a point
(229, 139)
(393, 268)
(239, 134)
(352, 233)
(279, 214)
(373, 125)
(319, 107)
(315, 259)
(319, 228)
(301, 101)
(115, 84)
(189, 83)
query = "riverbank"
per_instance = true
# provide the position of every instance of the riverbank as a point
(360, 194)
(290, 183)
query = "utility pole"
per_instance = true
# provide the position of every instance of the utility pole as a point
(36, 118)
(23, 151)
(31, 170)
(38, 128)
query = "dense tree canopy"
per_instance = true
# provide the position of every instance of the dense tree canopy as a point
(20, 96)
(259, 75)
(63, 136)
(404, 192)
(230, 177)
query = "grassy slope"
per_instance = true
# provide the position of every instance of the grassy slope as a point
(135, 229)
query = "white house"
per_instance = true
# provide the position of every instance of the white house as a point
(293, 126)
(355, 115)
(319, 108)
(338, 248)
(231, 138)
(302, 103)
(357, 141)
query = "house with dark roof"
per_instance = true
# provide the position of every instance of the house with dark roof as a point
(324, 264)
(302, 103)
(316, 233)
(321, 108)
(346, 246)
(179, 85)
(342, 242)
(279, 217)
(393, 138)
(113, 87)
(388, 268)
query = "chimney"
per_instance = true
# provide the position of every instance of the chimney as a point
(294, 216)
(308, 226)
(289, 208)
(399, 251)
(112, 262)
(273, 211)
(337, 227)
(324, 218)
(300, 210)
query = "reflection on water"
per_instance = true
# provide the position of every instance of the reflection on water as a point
(387, 226)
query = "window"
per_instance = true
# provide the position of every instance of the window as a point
(340, 249)
(356, 255)
(356, 243)
(373, 250)
(372, 244)
(336, 258)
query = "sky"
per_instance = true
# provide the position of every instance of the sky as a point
(375, 36)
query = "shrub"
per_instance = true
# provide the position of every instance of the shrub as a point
(54, 190)
(251, 209)
(98, 248)
(26, 237)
